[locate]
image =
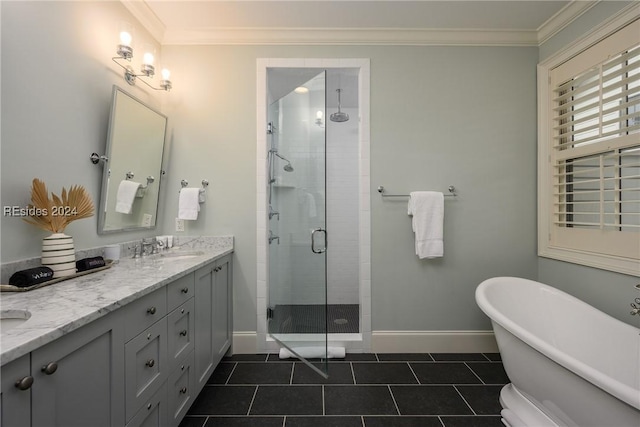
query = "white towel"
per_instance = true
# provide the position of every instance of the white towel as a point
(126, 195)
(189, 203)
(427, 209)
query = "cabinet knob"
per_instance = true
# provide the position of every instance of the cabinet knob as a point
(185, 290)
(183, 333)
(151, 310)
(24, 383)
(150, 363)
(149, 406)
(49, 368)
(183, 390)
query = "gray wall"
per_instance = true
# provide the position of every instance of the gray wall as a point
(57, 78)
(610, 292)
(439, 116)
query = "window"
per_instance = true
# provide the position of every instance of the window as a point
(589, 159)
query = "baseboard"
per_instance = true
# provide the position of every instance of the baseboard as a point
(246, 342)
(433, 342)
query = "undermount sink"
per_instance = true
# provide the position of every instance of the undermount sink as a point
(181, 254)
(9, 319)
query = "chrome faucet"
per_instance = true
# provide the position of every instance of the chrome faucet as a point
(636, 307)
(151, 243)
(273, 213)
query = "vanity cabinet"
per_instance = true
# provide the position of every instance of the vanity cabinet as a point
(78, 379)
(141, 365)
(15, 393)
(213, 317)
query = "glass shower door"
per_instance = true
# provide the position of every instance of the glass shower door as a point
(297, 308)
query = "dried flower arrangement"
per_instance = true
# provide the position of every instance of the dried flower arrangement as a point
(56, 213)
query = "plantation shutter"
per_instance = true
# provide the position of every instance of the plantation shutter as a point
(595, 154)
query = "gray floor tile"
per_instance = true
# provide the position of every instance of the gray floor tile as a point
(483, 399)
(245, 422)
(221, 373)
(245, 358)
(429, 400)
(404, 357)
(189, 421)
(358, 400)
(402, 422)
(339, 373)
(493, 421)
(489, 372)
(383, 373)
(328, 421)
(288, 400)
(261, 373)
(444, 373)
(457, 357)
(223, 400)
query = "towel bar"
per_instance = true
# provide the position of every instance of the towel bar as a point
(381, 190)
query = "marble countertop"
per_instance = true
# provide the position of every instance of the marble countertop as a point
(68, 305)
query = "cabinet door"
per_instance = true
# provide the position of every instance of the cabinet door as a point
(15, 398)
(153, 413)
(221, 305)
(78, 379)
(204, 349)
(180, 390)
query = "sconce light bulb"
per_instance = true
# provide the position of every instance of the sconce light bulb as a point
(165, 74)
(125, 38)
(319, 115)
(147, 59)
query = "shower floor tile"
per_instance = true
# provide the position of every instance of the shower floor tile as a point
(364, 390)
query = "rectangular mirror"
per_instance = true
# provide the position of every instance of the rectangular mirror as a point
(132, 172)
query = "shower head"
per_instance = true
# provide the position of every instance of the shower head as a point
(287, 167)
(339, 116)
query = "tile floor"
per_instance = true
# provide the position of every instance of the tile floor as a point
(370, 390)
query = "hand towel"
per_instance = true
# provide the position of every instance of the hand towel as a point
(126, 195)
(427, 209)
(90, 263)
(189, 203)
(31, 276)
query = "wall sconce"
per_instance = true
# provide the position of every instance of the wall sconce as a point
(147, 69)
(319, 120)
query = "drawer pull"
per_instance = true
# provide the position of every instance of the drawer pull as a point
(149, 406)
(49, 368)
(183, 333)
(150, 363)
(183, 390)
(24, 383)
(151, 310)
(185, 290)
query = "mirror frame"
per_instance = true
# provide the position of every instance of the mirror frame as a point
(107, 165)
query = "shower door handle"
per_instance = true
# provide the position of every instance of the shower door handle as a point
(313, 241)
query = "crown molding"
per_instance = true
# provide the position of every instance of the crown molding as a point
(563, 18)
(143, 13)
(350, 36)
(356, 36)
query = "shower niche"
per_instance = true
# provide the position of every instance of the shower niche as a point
(317, 255)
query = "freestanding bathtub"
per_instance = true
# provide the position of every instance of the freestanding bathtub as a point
(569, 363)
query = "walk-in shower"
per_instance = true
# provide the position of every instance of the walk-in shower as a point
(314, 209)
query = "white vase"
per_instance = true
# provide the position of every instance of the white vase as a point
(59, 255)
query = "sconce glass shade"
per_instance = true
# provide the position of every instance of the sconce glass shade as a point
(125, 32)
(147, 68)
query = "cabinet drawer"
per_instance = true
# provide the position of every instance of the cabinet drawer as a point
(181, 390)
(180, 291)
(145, 312)
(180, 338)
(154, 411)
(145, 366)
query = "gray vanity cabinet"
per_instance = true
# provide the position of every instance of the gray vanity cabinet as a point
(78, 379)
(213, 317)
(15, 397)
